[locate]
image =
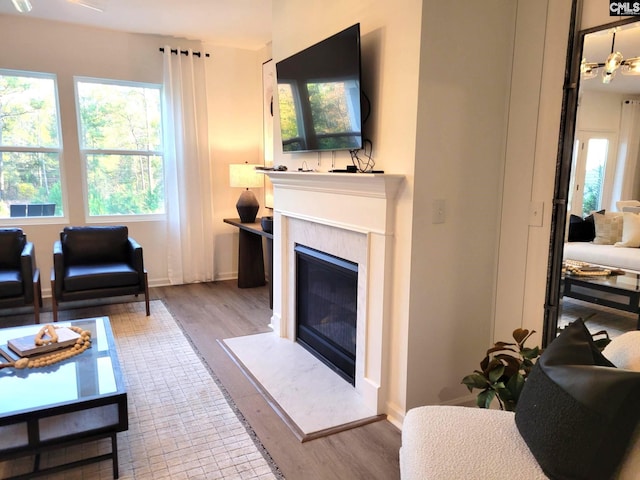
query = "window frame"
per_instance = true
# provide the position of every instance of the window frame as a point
(59, 150)
(84, 152)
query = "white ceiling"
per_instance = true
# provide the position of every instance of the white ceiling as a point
(237, 23)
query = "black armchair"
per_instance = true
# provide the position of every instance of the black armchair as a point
(19, 275)
(96, 262)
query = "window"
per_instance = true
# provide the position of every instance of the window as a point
(120, 127)
(30, 146)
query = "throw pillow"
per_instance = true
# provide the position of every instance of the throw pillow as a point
(577, 412)
(624, 350)
(630, 230)
(581, 229)
(621, 204)
(608, 228)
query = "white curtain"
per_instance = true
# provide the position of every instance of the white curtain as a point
(628, 150)
(187, 169)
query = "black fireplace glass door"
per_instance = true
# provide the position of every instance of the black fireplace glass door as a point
(326, 308)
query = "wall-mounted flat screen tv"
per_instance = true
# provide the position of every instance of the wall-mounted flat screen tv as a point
(319, 95)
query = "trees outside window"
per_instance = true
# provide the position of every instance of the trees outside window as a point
(30, 146)
(120, 127)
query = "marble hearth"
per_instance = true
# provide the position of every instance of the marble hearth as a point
(350, 216)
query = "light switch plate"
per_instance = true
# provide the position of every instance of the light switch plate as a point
(438, 215)
(536, 214)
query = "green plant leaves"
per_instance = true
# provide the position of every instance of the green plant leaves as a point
(475, 380)
(505, 368)
(485, 398)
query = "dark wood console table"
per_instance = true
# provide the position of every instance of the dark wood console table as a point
(250, 255)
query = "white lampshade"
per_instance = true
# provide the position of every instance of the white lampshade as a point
(631, 66)
(244, 175)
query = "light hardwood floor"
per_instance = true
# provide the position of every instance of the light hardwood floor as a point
(210, 312)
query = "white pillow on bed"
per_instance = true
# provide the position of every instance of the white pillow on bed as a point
(630, 230)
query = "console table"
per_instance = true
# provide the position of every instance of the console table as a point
(250, 255)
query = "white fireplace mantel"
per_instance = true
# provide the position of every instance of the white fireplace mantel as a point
(356, 201)
(351, 216)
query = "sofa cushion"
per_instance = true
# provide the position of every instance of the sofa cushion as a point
(10, 283)
(607, 255)
(12, 241)
(442, 442)
(91, 245)
(624, 351)
(581, 229)
(577, 411)
(608, 227)
(630, 230)
(106, 275)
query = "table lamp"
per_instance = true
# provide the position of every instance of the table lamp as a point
(244, 176)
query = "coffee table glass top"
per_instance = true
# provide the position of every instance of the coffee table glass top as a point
(91, 374)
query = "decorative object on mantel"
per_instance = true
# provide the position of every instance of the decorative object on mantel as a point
(59, 343)
(244, 176)
(506, 367)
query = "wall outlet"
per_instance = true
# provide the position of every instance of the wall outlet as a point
(438, 215)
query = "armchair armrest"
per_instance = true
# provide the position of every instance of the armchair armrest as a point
(57, 272)
(136, 259)
(28, 269)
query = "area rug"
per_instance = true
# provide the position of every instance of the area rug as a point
(182, 424)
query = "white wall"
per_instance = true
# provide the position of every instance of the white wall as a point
(532, 144)
(462, 126)
(234, 95)
(235, 123)
(599, 111)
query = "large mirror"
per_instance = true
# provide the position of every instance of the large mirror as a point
(595, 259)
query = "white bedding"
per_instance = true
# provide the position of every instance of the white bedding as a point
(606, 255)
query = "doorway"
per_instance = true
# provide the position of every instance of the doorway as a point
(592, 172)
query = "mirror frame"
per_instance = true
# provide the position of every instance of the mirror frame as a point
(563, 166)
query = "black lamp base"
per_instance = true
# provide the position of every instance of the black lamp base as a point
(247, 207)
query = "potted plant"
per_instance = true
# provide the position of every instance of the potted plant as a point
(504, 370)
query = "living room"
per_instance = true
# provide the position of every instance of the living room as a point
(481, 135)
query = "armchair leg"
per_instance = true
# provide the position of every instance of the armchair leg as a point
(146, 294)
(37, 296)
(54, 302)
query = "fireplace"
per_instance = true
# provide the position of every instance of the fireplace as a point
(351, 217)
(326, 308)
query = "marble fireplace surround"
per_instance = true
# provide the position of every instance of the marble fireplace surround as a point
(351, 216)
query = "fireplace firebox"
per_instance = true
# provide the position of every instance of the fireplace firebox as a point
(326, 308)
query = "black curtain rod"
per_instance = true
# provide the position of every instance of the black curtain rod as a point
(184, 52)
